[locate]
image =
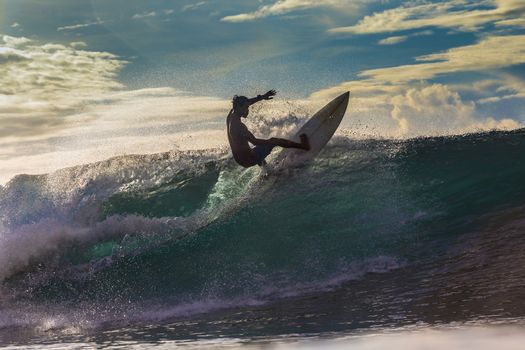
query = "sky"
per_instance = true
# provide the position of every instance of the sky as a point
(82, 81)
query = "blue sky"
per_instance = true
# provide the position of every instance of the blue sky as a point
(83, 80)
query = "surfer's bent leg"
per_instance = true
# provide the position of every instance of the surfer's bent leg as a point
(304, 144)
(261, 152)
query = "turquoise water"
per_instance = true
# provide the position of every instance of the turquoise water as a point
(372, 234)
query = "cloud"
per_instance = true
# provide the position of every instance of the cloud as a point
(400, 102)
(517, 22)
(401, 38)
(153, 105)
(15, 25)
(281, 7)
(14, 42)
(393, 40)
(115, 123)
(191, 7)
(492, 52)
(407, 111)
(487, 56)
(436, 110)
(144, 15)
(78, 44)
(41, 83)
(79, 26)
(62, 105)
(464, 15)
(9, 55)
(495, 99)
(52, 70)
(505, 87)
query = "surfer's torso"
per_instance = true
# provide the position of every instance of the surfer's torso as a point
(237, 136)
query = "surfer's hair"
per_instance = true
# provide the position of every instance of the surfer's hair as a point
(239, 101)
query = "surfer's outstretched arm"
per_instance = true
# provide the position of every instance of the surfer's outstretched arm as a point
(267, 96)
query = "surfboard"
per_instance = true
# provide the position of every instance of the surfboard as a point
(319, 128)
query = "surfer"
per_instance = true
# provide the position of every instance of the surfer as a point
(239, 135)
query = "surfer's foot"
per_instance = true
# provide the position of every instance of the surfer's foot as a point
(305, 142)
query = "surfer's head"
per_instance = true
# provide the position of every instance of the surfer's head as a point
(240, 105)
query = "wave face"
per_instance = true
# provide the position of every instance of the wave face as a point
(190, 232)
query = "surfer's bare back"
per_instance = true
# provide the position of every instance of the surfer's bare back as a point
(240, 137)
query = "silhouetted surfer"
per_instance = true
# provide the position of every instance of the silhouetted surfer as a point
(239, 135)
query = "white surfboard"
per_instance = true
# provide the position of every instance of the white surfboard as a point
(319, 128)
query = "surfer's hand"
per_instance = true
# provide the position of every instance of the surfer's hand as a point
(269, 95)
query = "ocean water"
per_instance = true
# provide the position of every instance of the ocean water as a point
(375, 242)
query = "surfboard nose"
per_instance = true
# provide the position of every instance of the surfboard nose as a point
(343, 97)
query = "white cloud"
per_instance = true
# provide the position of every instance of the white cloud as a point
(459, 14)
(53, 69)
(61, 106)
(494, 99)
(418, 109)
(79, 26)
(407, 111)
(44, 132)
(10, 55)
(281, 7)
(40, 83)
(506, 87)
(15, 25)
(191, 7)
(518, 22)
(490, 53)
(78, 44)
(14, 42)
(399, 101)
(403, 95)
(401, 38)
(436, 110)
(144, 15)
(393, 40)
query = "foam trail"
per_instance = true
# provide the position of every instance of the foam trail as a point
(42, 216)
(35, 242)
